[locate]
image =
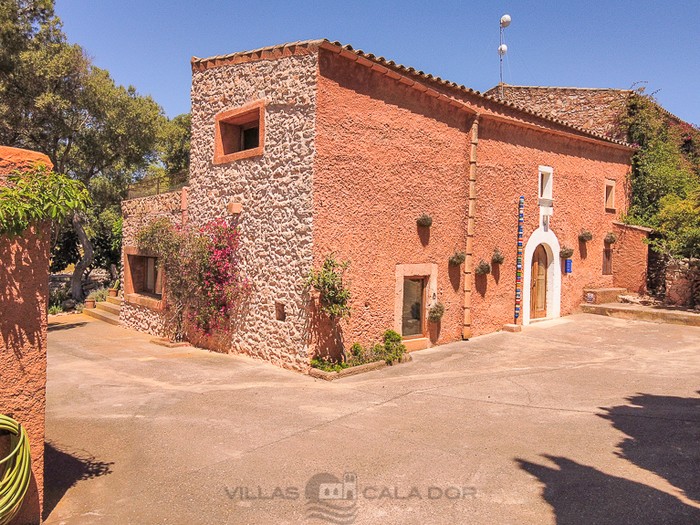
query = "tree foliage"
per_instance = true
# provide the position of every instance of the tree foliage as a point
(665, 179)
(38, 196)
(54, 100)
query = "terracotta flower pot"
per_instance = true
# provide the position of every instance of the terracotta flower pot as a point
(113, 292)
(89, 303)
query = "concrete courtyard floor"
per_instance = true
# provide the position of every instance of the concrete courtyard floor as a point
(581, 420)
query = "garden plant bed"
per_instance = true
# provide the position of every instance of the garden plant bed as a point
(354, 370)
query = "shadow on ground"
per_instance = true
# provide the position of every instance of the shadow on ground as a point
(663, 437)
(583, 494)
(64, 326)
(64, 469)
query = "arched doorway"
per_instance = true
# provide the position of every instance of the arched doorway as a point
(538, 283)
(545, 243)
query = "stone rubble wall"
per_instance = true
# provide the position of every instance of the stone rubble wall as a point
(137, 213)
(683, 283)
(274, 190)
(596, 110)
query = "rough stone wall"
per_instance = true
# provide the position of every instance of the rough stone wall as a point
(630, 258)
(274, 190)
(137, 213)
(507, 167)
(597, 110)
(386, 154)
(24, 281)
(683, 283)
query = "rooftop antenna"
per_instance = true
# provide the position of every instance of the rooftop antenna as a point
(503, 48)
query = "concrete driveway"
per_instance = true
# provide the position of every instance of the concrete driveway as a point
(581, 420)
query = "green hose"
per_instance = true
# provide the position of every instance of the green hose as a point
(15, 470)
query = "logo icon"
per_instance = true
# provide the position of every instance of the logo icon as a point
(332, 500)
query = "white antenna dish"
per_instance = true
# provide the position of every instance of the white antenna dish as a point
(503, 48)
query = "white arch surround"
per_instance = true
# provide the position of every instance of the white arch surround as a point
(546, 238)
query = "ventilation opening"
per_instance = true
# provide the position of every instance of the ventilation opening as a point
(280, 313)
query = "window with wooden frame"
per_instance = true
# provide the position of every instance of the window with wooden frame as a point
(607, 261)
(146, 276)
(239, 133)
(610, 195)
(413, 311)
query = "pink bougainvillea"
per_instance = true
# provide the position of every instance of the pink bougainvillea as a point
(204, 285)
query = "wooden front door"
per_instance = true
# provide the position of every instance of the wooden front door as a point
(538, 284)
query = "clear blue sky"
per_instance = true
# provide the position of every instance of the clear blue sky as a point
(594, 43)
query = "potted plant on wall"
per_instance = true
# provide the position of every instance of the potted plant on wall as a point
(458, 258)
(566, 252)
(436, 312)
(585, 236)
(497, 257)
(610, 238)
(424, 221)
(483, 268)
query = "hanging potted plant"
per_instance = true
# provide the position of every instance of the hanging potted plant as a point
(483, 268)
(610, 238)
(458, 258)
(424, 221)
(585, 236)
(497, 257)
(566, 252)
(436, 312)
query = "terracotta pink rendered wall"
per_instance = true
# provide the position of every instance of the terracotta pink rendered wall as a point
(507, 167)
(24, 281)
(630, 257)
(384, 155)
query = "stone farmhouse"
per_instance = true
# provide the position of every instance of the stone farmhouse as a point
(319, 148)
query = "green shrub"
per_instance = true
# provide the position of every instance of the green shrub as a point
(57, 296)
(497, 257)
(424, 221)
(392, 349)
(483, 268)
(327, 365)
(328, 282)
(436, 312)
(55, 309)
(679, 226)
(98, 295)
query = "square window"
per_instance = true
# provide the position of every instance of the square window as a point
(239, 133)
(545, 185)
(610, 195)
(146, 275)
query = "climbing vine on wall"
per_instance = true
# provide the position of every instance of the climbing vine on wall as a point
(204, 285)
(665, 181)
